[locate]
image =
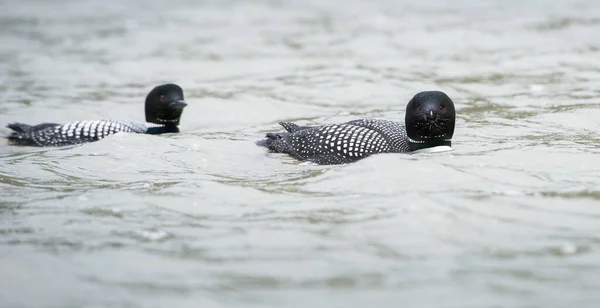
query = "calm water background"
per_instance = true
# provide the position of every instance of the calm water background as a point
(205, 218)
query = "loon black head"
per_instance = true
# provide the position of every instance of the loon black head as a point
(164, 105)
(429, 119)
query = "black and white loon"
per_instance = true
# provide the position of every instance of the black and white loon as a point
(164, 105)
(429, 122)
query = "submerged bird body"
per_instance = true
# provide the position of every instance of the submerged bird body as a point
(49, 134)
(164, 105)
(340, 143)
(429, 119)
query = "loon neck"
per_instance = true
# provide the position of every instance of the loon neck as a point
(414, 146)
(163, 129)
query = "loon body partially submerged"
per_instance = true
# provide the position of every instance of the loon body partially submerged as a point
(429, 122)
(164, 106)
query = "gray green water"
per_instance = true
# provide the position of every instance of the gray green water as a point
(510, 218)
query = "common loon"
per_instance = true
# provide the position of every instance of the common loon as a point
(429, 120)
(164, 105)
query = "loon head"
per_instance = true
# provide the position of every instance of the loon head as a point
(164, 104)
(429, 119)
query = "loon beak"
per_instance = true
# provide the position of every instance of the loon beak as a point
(178, 104)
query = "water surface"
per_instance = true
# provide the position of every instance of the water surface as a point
(510, 218)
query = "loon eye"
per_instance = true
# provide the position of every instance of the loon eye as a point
(442, 107)
(419, 107)
(162, 98)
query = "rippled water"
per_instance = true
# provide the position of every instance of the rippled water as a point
(510, 218)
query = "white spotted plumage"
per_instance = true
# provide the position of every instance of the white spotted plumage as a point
(82, 131)
(339, 143)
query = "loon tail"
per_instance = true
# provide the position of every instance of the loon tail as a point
(271, 140)
(19, 135)
(22, 133)
(19, 127)
(277, 142)
(281, 142)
